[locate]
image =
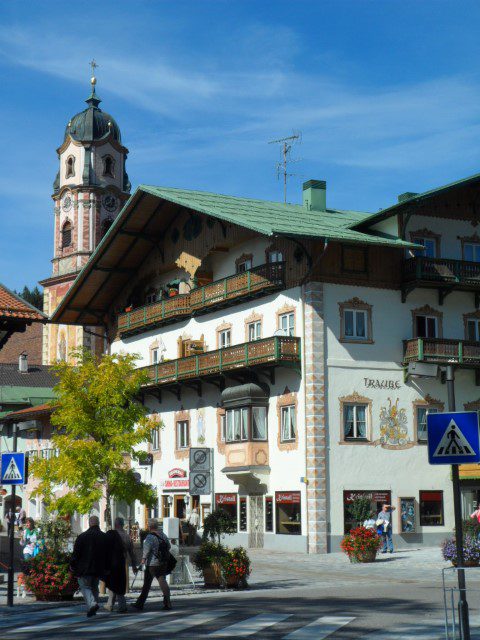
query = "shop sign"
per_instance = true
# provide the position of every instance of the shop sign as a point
(174, 483)
(177, 473)
(374, 383)
(226, 498)
(288, 498)
(374, 496)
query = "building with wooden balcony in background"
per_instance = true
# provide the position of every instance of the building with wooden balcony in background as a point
(279, 336)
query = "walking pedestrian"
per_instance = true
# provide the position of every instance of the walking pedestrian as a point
(121, 549)
(155, 560)
(384, 523)
(193, 522)
(29, 540)
(90, 562)
(21, 518)
(10, 520)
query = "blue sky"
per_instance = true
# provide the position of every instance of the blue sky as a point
(386, 94)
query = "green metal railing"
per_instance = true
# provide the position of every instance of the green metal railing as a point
(442, 351)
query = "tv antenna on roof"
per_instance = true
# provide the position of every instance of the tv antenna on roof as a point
(282, 166)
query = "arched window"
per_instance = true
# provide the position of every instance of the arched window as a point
(66, 234)
(70, 168)
(106, 224)
(108, 166)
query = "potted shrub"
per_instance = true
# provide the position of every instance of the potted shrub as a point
(235, 567)
(471, 551)
(360, 510)
(208, 559)
(48, 574)
(361, 545)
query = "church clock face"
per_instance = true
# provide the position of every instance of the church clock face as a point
(110, 203)
(67, 203)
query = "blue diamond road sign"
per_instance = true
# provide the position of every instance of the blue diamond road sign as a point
(453, 438)
(12, 468)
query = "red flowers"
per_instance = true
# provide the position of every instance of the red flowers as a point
(361, 542)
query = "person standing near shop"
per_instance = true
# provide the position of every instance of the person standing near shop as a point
(10, 520)
(155, 558)
(193, 522)
(90, 562)
(384, 522)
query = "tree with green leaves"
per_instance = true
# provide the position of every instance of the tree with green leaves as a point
(99, 427)
(33, 296)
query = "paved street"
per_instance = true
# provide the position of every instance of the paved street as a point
(292, 597)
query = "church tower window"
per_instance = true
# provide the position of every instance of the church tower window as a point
(106, 224)
(66, 235)
(108, 166)
(70, 168)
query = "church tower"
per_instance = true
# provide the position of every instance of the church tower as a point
(90, 189)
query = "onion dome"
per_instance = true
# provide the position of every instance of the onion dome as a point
(92, 123)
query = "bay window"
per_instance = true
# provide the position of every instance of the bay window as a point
(246, 423)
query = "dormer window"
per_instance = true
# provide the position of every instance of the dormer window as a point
(108, 166)
(70, 167)
(66, 235)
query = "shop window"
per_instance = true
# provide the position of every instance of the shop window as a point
(355, 421)
(471, 251)
(288, 423)
(408, 516)
(254, 331)
(355, 321)
(286, 321)
(377, 500)
(288, 509)
(269, 514)
(183, 436)
(228, 503)
(245, 423)
(431, 508)
(421, 417)
(243, 514)
(224, 339)
(155, 438)
(166, 506)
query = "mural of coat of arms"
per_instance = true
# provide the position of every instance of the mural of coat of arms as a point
(393, 427)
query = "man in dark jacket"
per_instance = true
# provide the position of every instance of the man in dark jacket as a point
(120, 551)
(90, 562)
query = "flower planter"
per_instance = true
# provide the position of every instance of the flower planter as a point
(368, 556)
(61, 596)
(212, 575)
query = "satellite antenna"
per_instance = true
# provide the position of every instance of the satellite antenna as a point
(282, 166)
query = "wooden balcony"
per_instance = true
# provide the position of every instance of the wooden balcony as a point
(258, 281)
(463, 353)
(266, 353)
(441, 273)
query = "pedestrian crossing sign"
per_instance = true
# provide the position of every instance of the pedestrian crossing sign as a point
(453, 438)
(12, 469)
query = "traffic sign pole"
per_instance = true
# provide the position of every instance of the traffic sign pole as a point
(457, 506)
(11, 541)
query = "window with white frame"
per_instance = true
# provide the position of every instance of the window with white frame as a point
(430, 245)
(245, 423)
(224, 338)
(275, 256)
(422, 413)
(155, 438)
(223, 427)
(259, 423)
(254, 330)
(244, 265)
(288, 427)
(155, 356)
(183, 439)
(355, 421)
(471, 251)
(473, 329)
(286, 321)
(355, 324)
(426, 326)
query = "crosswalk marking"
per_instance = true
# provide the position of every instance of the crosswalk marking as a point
(251, 625)
(175, 626)
(319, 628)
(12, 619)
(47, 626)
(115, 621)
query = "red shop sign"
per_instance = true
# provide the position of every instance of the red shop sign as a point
(374, 496)
(226, 498)
(177, 473)
(288, 498)
(174, 483)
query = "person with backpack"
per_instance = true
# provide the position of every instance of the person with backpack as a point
(157, 563)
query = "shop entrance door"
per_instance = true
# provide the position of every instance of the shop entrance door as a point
(255, 538)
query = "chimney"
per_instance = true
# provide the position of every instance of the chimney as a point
(406, 196)
(315, 195)
(23, 363)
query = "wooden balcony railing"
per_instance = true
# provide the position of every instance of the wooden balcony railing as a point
(442, 351)
(268, 351)
(257, 281)
(442, 270)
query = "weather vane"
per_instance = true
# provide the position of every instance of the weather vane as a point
(94, 65)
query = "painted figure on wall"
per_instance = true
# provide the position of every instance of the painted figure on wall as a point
(393, 425)
(200, 426)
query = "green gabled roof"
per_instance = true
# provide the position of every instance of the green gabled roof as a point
(414, 198)
(275, 218)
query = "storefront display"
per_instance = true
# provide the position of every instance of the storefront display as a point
(269, 513)
(431, 508)
(288, 507)
(377, 500)
(407, 515)
(227, 502)
(243, 514)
